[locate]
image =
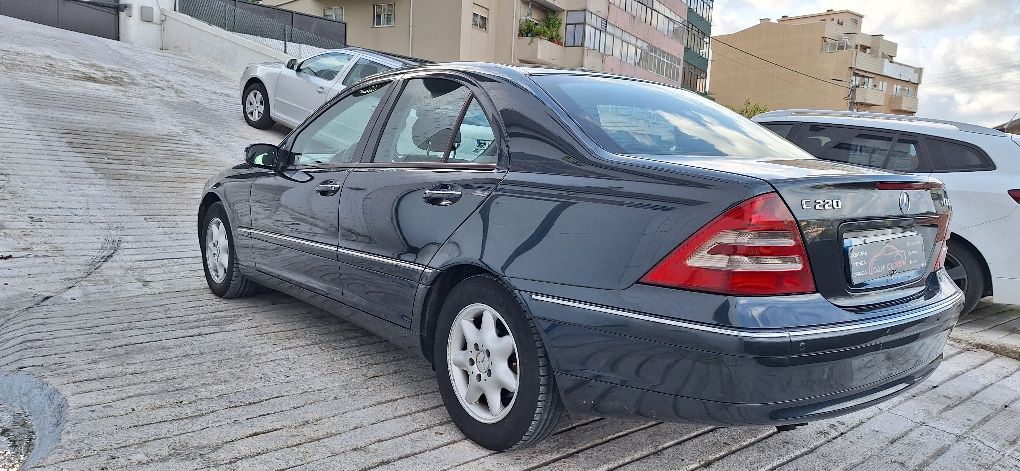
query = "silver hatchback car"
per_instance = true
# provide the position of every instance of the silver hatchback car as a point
(275, 92)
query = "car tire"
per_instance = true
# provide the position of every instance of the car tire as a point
(255, 106)
(967, 272)
(219, 257)
(525, 416)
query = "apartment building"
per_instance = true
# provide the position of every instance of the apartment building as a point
(817, 61)
(661, 40)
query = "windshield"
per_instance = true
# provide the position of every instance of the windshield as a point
(630, 117)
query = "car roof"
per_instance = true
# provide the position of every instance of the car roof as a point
(876, 120)
(379, 56)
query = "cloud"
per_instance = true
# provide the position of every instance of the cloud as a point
(969, 49)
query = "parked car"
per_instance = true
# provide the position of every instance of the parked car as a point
(618, 248)
(979, 166)
(288, 93)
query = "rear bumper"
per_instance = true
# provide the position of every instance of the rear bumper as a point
(626, 364)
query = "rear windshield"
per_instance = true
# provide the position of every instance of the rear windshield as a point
(630, 117)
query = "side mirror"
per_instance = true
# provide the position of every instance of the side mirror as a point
(292, 64)
(263, 156)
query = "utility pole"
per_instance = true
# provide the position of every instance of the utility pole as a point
(853, 77)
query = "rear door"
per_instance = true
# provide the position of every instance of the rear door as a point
(436, 158)
(294, 211)
(301, 91)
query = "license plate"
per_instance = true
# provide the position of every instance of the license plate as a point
(872, 258)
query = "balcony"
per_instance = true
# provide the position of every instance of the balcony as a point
(539, 51)
(870, 96)
(869, 63)
(903, 103)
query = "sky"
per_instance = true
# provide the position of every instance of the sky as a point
(969, 49)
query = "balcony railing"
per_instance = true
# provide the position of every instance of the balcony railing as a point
(870, 96)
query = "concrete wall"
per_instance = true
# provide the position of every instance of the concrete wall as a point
(172, 31)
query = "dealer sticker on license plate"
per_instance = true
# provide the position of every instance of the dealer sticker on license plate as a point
(872, 258)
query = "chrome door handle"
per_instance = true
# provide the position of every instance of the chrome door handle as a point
(442, 197)
(328, 188)
(321, 90)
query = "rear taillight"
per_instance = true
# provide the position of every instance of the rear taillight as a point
(755, 248)
(1015, 194)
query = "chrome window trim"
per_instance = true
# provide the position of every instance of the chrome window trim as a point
(893, 319)
(318, 245)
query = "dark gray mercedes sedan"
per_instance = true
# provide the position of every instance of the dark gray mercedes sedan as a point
(561, 241)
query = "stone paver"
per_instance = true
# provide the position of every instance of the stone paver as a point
(103, 152)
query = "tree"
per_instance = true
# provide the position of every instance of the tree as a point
(750, 110)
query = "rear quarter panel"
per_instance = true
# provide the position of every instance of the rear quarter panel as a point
(565, 216)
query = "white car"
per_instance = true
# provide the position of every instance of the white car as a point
(288, 93)
(980, 167)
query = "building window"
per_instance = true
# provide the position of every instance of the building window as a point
(480, 18)
(694, 78)
(654, 13)
(574, 33)
(382, 15)
(611, 40)
(334, 13)
(900, 90)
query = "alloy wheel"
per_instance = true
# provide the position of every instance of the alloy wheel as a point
(483, 363)
(254, 105)
(956, 271)
(217, 250)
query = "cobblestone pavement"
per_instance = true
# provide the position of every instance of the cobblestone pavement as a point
(103, 151)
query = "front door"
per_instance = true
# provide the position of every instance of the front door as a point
(422, 181)
(294, 211)
(299, 92)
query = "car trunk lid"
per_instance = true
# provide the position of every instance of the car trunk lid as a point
(872, 237)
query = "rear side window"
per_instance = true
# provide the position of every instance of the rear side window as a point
(630, 117)
(867, 147)
(949, 156)
(438, 121)
(364, 68)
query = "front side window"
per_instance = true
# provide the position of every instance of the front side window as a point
(421, 127)
(364, 68)
(333, 137)
(382, 14)
(631, 117)
(325, 66)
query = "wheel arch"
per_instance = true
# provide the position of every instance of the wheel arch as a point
(208, 200)
(441, 284)
(251, 81)
(986, 273)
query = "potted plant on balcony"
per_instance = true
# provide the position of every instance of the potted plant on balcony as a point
(548, 29)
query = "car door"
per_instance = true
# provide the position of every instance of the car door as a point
(294, 210)
(301, 91)
(420, 180)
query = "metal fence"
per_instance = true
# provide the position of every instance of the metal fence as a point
(294, 33)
